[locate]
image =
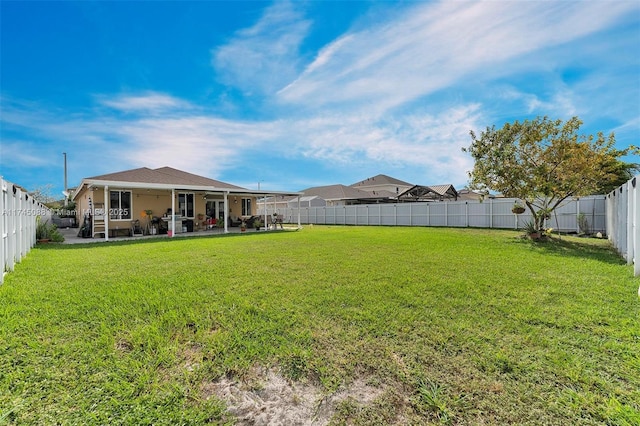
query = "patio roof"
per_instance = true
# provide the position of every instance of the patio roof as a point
(434, 192)
(169, 178)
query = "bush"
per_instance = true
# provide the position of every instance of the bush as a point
(583, 224)
(48, 231)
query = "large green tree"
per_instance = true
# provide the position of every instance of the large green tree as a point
(543, 162)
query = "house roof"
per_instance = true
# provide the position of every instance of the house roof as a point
(379, 180)
(336, 192)
(309, 198)
(162, 175)
(168, 178)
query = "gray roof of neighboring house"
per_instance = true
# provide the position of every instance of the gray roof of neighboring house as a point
(380, 180)
(309, 198)
(163, 175)
(336, 192)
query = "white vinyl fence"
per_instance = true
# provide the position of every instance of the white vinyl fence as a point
(17, 225)
(491, 213)
(623, 221)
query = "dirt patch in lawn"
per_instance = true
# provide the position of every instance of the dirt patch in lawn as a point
(267, 398)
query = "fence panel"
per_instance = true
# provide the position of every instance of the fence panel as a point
(491, 213)
(17, 225)
(623, 222)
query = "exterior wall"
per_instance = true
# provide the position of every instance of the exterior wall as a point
(235, 206)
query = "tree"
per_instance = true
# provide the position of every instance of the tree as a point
(544, 162)
(622, 172)
(44, 194)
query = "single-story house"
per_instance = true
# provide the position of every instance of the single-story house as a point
(162, 200)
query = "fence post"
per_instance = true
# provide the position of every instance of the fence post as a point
(578, 215)
(410, 215)
(446, 214)
(490, 212)
(630, 223)
(636, 228)
(3, 227)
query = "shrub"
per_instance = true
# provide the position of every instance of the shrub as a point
(583, 224)
(48, 231)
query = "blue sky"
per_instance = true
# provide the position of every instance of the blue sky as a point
(298, 94)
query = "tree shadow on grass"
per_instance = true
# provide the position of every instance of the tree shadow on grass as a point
(573, 247)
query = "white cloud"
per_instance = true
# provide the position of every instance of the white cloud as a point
(146, 102)
(423, 141)
(364, 100)
(436, 44)
(25, 152)
(264, 57)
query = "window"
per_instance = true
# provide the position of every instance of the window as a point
(246, 207)
(185, 205)
(120, 205)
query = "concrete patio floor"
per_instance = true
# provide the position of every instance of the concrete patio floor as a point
(71, 234)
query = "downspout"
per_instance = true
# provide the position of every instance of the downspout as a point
(299, 224)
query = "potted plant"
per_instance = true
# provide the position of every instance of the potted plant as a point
(243, 226)
(257, 223)
(531, 231)
(517, 208)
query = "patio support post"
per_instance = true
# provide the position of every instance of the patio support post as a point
(105, 213)
(173, 212)
(226, 212)
(264, 199)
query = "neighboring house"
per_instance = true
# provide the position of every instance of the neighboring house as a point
(307, 201)
(468, 194)
(383, 185)
(377, 189)
(340, 195)
(161, 200)
(381, 189)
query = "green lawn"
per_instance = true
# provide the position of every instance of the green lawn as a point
(456, 326)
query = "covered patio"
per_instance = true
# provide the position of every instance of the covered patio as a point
(71, 234)
(165, 201)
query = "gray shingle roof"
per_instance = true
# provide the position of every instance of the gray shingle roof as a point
(336, 192)
(163, 175)
(380, 180)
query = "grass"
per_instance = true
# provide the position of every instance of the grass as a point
(459, 326)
